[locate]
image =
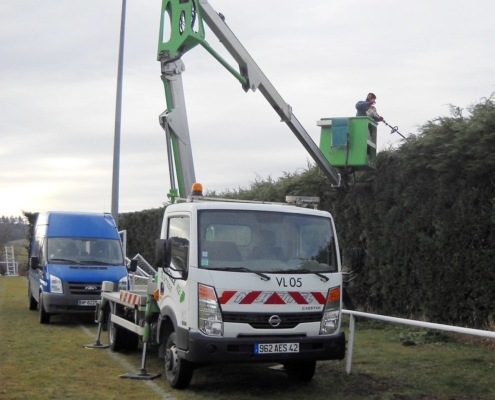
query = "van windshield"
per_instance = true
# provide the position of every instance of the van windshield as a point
(262, 241)
(63, 250)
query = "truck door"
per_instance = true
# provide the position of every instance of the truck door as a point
(178, 231)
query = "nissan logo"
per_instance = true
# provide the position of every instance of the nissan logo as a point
(91, 288)
(274, 321)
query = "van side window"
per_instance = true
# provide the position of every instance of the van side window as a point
(35, 251)
(179, 232)
(40, 251)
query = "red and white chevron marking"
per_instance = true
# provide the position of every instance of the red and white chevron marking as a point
(130, 298)
(259, 297)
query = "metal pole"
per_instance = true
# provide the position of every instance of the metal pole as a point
(118, 115)
(350, 345)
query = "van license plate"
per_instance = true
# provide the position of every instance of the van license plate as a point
(87, 302)
(272, 348)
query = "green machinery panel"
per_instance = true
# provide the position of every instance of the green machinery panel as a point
(349, 142)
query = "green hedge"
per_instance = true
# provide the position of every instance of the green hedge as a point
(426, 219)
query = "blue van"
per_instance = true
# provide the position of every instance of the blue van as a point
(70, 255)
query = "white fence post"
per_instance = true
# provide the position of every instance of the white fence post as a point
(350, 345)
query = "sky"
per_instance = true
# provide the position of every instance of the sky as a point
(58, 80)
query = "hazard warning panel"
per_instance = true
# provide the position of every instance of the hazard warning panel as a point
(262, 297)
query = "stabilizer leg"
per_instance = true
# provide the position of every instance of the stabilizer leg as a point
(99, 312)
(142, 374)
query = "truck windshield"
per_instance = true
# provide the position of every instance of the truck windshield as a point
(262, 241)
(63, 250)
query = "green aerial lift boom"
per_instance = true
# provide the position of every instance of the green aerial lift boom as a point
(185, 18)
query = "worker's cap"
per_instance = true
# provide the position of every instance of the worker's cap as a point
(372, 95)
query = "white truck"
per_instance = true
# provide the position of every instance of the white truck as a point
(237, 281)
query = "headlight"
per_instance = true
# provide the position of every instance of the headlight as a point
(123, 285)
(330, 319)
(55, 285)
(210, 316)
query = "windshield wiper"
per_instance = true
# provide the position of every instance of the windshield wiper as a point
(323, 277)
(263, 276)
(94, 262)
(65, 260)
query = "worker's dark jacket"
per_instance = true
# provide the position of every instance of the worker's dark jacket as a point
(362, 107)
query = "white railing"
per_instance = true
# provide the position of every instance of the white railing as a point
(144, 266)
(123, 239)
(139, 283)
(12, 267)
(144, 273)
(421, 324)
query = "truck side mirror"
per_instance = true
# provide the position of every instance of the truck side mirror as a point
(163, 253)
(357, 259)
(132, 266)
(34, 262)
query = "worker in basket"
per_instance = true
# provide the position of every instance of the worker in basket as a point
(367, 108)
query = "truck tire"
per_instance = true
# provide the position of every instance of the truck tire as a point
(32, 303)
(131, 342)
(301, 371)
(178, 371)
(43, 316)
(116, 334)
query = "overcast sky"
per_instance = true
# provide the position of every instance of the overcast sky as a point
(58, 79)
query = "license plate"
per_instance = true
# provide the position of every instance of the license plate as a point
(271, 348)
(87, 302)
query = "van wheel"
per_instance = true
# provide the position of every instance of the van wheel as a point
(116, 334)
(179, 372)
(301, 371)
(32, 303)
(43, 316)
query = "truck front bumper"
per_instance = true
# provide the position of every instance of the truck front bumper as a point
(210, 350)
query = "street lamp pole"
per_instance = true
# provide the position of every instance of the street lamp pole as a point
(118, 117)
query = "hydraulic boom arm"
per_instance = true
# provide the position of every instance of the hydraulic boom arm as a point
(186, 24)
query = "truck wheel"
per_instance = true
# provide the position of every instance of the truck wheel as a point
(116, 334)
(43, 316)
(179, 372)
(301, 371)
(32, 303)
(131, 341)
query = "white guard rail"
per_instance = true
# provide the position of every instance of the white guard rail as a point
(421, 324)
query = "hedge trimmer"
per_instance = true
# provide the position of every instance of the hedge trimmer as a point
(373, 114)
(394, 128)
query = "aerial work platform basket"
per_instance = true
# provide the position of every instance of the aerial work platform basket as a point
(349, 142)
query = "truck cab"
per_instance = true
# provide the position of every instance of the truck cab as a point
(70, 255)
(249, 283)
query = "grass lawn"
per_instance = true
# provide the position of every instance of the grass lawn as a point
(49, 362)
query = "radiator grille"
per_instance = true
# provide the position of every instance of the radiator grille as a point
(260, 320)
(85, 288)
